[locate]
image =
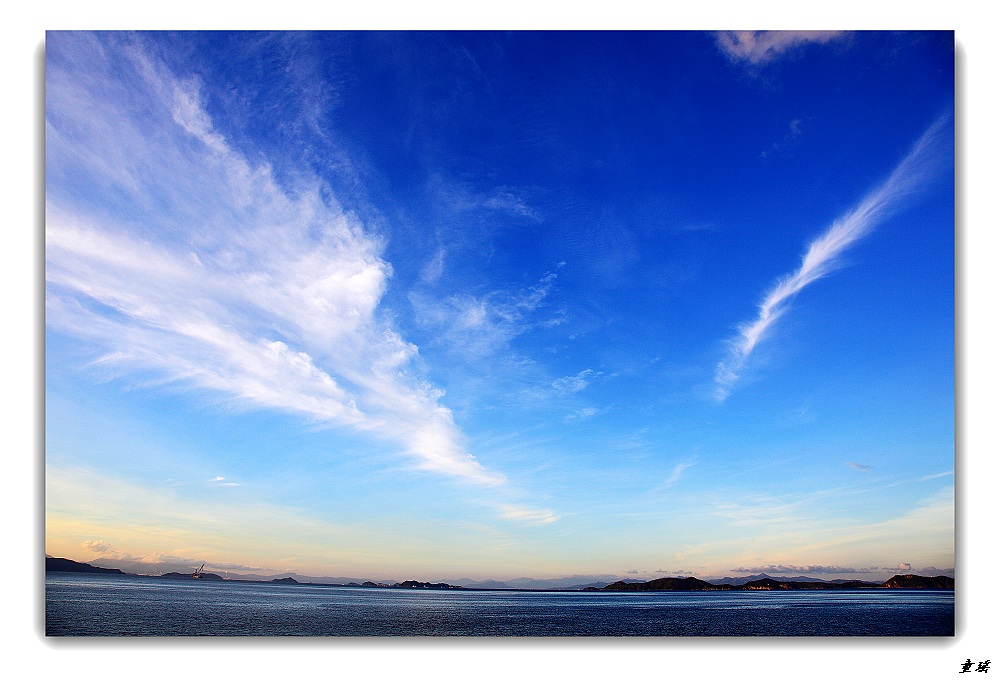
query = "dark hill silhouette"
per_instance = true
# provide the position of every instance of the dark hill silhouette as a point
(689, 583)
(61, 565)
(910, 581)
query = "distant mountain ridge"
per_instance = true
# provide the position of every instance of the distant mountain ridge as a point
(740, 580)
(159, 569)
(577, 582)
(759, 582)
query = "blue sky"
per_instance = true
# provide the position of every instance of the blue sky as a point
(501, 304)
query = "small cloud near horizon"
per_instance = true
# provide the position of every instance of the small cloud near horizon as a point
(99, 546)
(791, 568)
(109, 551)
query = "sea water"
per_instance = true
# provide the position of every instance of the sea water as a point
(78, 604)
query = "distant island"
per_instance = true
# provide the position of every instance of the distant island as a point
(61, 565)
(202, 576)
(907, 581)
(911, 581)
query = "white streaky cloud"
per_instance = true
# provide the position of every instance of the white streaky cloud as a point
(176, 256)
(822, 255)
(937, 475)
(570, 384)
(760, 47)
(676, 473)
(535, 516)
(928, 525)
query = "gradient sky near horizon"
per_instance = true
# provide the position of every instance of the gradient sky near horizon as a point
(491, 304)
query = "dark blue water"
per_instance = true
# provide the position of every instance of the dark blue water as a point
(84, 604)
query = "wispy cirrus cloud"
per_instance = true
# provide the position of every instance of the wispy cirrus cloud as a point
(575, 383)
(761, 47)
(476, 326)
(676, 473)
(462, 202)
(759, 510)
(790, 138)
(180, 257)
(583, 414)
(822, 255)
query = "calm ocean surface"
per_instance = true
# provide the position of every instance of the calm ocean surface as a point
(84, 604)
